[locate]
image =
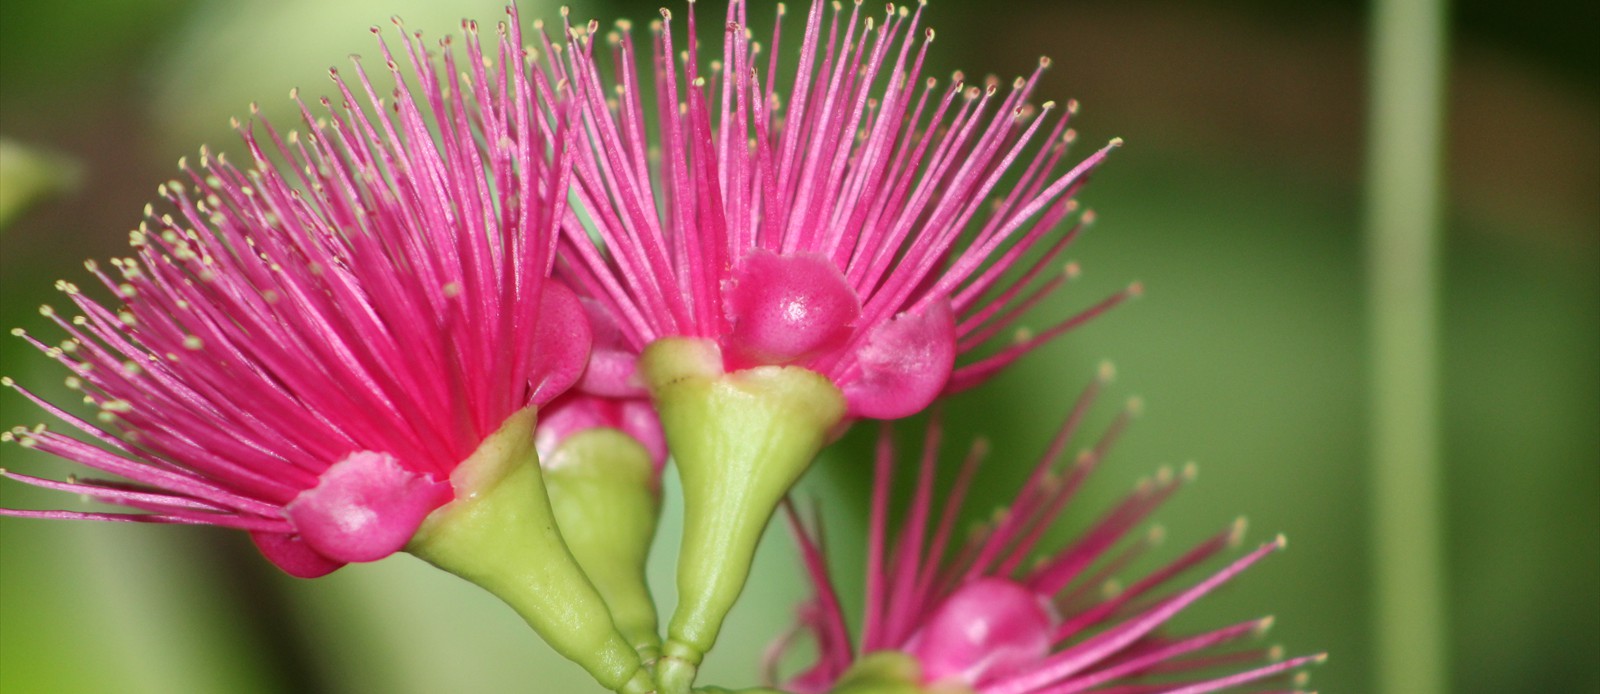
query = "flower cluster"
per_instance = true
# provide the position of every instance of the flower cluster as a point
(472, 315)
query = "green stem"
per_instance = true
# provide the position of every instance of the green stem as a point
(1403, 197)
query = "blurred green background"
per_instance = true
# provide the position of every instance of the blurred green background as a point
(1237, 202)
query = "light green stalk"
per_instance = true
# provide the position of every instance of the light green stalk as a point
(1403, 202)
(500, 533)
(607, 500)
(739, 440)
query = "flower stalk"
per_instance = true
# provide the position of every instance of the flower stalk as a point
(501, 534)
(607, 499)
(740, 441)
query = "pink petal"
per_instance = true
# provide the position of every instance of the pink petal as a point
(364, 507)
(786, 309)
(561, 343)
(293, 555)
(903, 364)
(613, 373)
(639, 420)
(989, 628)
(577, 412)
(613, 364)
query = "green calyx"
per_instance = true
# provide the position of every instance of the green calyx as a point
(606, 498)
(500, 532)
(891, 672)
(740, 440)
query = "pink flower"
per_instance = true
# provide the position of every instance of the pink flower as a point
(307, 346)
(984, 616)
(852, 219)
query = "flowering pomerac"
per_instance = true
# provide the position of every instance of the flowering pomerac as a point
(983, 617)
(339, 347)
(798, 247)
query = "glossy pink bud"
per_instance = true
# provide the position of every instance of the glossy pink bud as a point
(988, 628)
(364, 508)
(785, 309)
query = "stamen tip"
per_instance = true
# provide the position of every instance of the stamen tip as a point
(1107, 371)
(1264, 624)
(1236, 533)
(1281, 541)
(1135, 406)
(1072, 270)
(1136, 289)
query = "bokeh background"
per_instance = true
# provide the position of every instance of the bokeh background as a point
(1238, 202)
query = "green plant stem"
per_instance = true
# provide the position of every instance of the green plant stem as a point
(1408, 59)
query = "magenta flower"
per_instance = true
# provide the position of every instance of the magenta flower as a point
(305, 350)
(800, 247)
(983, 616)
(797, 248)
(861, 223)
